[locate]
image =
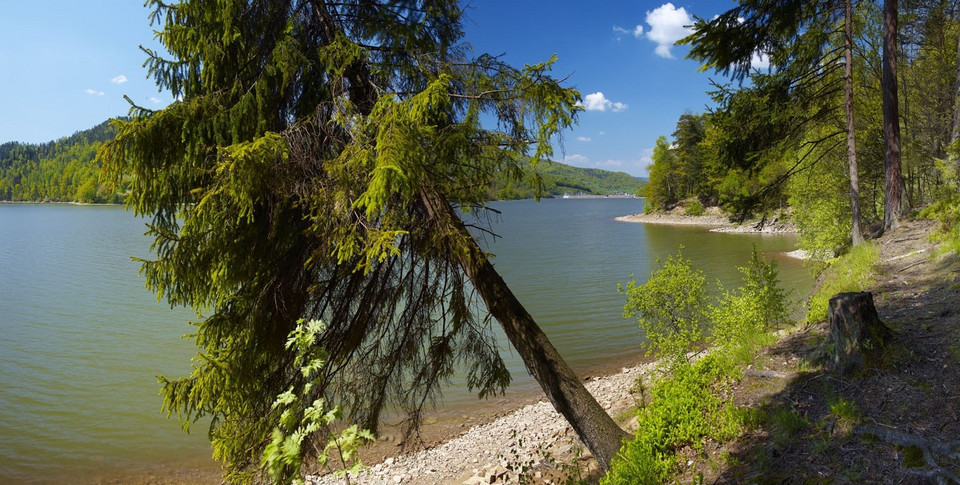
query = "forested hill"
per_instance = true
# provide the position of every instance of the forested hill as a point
(559, 179)
(65, 170)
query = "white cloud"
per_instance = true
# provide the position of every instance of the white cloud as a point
(584, 138)
(636, 32)
(94, 92)
(119, 79)
(760, 61)
(598, 102)
(155, 100)
(575, 159)
(603, 133)
(668, 24)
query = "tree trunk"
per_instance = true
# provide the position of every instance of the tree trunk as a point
(893, 177)
(955, 135)
(856, 234)
(599, 433)
(857, 336)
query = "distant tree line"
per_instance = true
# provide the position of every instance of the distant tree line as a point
(65, 170)
(557, 179)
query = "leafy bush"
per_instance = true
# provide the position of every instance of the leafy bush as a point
(694, 208)
(684, 410)
(947, 207)
(671, 308)
(686, 406)
(852, 272)
(820, 199)
(743, 317)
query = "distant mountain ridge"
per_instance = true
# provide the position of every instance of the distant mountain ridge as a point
(66, 170)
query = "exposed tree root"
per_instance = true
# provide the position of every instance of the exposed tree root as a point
(930, 448)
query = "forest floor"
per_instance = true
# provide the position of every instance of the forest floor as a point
(898, 423)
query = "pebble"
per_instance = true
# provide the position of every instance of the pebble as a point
(483, 452)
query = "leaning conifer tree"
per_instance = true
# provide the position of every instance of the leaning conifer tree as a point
(313, 167)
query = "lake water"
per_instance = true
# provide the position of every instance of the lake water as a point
(83, 341)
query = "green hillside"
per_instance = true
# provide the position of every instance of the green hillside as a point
(559, 179)
(65, 170)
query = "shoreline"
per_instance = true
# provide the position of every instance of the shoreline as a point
(527, 432)
(713, 218)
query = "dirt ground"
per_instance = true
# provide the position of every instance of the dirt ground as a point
(898, 423)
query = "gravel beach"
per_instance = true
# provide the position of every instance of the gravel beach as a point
(532, 436)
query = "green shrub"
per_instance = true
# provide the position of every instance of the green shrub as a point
(694, 208)
(685, 407)
(683, 412)
(670, 307)
(854, 271)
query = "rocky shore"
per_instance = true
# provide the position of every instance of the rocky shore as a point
(712, 217)
(534, 438)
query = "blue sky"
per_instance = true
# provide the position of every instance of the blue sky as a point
(66, 66)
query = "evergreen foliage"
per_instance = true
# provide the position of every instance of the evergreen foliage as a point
(309, 171)
(780, 136)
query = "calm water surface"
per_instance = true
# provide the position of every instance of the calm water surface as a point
(83, 341)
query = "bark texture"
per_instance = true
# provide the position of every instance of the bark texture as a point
(857, 335)
(893, 178)
(598, 431)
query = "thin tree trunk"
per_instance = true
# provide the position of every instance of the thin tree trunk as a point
(955, 135)
(856, 234)
(893, 178)
(599, 433)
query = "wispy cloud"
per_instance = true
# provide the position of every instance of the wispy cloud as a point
(760, 61)
(584, 138)
(598, 102)
(668, 24)
(155, 100)
(119, 79)
(94, 92)
(636, 32)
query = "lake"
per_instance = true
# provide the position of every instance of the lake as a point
(83, 341)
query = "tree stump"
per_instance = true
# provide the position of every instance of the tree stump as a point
(857, 336)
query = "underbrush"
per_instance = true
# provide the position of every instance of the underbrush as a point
(947, 211)
(853, 271)
(692, 402)
(685, 410)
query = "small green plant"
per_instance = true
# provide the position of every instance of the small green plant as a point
(524, 465)
(302, 420)
(846, 413)
(742, 318)
(786, 423)
(670, 307)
